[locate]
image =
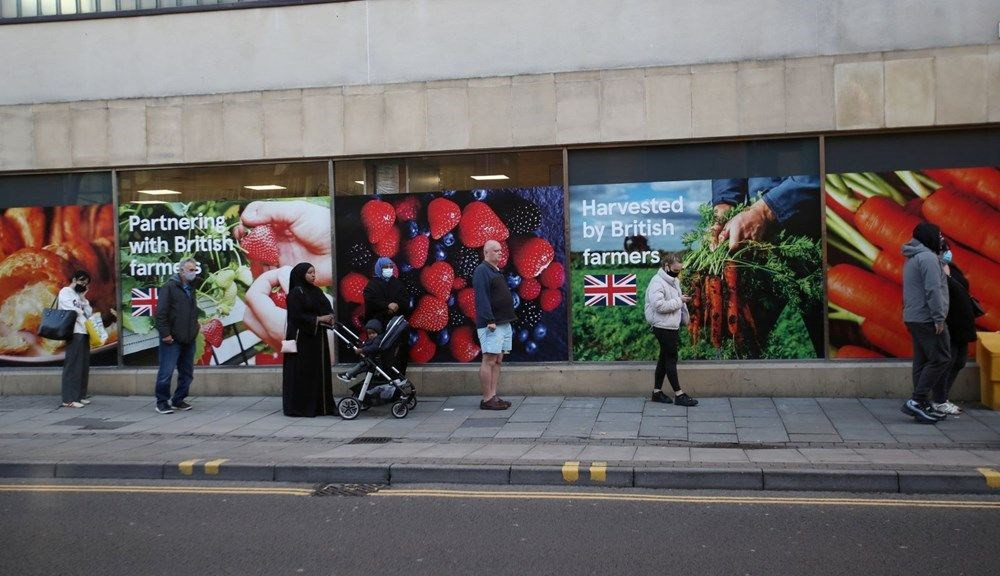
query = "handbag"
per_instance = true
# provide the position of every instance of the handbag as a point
(977, 308)
(57, 324)
(290, 346)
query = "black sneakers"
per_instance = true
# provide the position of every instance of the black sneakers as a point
(182, 405)
(659, 396)
(164, 408)
(922, 412)
(684, 400)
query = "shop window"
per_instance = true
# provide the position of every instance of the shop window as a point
(878, 189)
(50, 227)
(246, 225)
(431, 215)
(758, 295)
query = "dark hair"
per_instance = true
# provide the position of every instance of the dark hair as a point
(668, 259)
(81, 275)
(929, 235)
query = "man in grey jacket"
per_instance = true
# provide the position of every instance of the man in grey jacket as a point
(177, 323)
(925, 307)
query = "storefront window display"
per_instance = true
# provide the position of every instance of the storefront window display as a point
(432, 216)
(878, 188)
(745, 218)
(247, 226)
(50, 227)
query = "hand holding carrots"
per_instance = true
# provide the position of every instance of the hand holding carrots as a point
(751, 224)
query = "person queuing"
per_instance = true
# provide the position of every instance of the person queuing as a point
(925, 309)
(307, 377)
(385, 297)
(494, 314)
(666, 311)
(76, 365)
(961, 330)
(177, 322)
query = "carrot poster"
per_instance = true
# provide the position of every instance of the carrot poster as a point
(436, 242)
(869, 216)
(751, 254)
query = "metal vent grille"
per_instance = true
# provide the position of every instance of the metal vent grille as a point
(371, 440)
(347, 489)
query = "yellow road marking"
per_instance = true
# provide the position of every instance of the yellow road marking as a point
(187, 467)
(744, 500)
(571, 471)
(599, 472)
(248, 490)
(992, 477)
(212, 466)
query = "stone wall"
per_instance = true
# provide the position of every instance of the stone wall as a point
(925, 88)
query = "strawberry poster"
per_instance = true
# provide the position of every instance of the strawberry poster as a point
(245, 251)
(436, 242)
(871, 216)
(750, 249)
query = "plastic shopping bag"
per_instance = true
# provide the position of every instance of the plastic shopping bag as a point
(95, 329)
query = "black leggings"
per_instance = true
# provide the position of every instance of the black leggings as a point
(666, 364)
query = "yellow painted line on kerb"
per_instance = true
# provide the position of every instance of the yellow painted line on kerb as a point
(672, 499)
(571, 471)
(212, 466)
(599, 472)
(113, 489)
(992, 477)
(187, 467)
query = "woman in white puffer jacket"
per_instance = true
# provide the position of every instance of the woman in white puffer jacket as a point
(666, 311)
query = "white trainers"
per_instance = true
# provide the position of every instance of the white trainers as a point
(84, 401)
(947, 408)
(72, 405)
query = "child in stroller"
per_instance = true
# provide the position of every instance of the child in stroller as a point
(396, 388)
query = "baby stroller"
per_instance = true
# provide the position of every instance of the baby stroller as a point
(397, 389)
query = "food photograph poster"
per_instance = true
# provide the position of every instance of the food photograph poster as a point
(245, 251)
(436, 241)
(752, 266)
(870, 216)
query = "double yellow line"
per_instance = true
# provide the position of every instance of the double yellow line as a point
(113, 489)
(675, 499)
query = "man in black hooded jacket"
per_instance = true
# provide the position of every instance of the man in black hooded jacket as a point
(386, 297)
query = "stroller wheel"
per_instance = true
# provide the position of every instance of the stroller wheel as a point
(412, 402)
(399, 410)
(348, 408)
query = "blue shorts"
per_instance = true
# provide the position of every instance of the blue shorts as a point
(498, 341)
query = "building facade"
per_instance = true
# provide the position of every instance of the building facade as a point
(621, 130)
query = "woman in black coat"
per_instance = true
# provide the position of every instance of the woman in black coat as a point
(961, 331)
(307, 378)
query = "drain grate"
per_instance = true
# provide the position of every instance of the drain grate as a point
(371, 440)
(347, 489)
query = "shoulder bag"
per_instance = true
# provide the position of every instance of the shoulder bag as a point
(57, 324)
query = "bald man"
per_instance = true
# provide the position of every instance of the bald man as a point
(494, 313)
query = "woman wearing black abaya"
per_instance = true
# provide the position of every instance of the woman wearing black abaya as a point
(307, 382)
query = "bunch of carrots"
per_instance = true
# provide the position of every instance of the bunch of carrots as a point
(869, 219)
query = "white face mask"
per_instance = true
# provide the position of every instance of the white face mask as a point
(190, 276)
(387, 273)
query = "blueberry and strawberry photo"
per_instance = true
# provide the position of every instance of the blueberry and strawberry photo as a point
(436, 241)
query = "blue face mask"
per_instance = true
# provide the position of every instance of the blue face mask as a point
(946, 256)
(387, 273)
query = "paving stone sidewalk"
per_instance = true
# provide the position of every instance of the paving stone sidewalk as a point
(823, 433)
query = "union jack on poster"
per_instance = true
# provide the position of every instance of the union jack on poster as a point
(609, 290)
(143, 302)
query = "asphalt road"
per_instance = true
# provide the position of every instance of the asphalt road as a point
(470, 530)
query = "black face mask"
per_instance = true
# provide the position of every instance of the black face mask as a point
(674, 274)
(80, 289)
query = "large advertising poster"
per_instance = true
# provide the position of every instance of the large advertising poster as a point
(752, 266)
(40, 248)
(870, 216)
(245, 251)
(436, 242)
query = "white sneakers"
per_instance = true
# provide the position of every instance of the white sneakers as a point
(947, 408)
(72, 405)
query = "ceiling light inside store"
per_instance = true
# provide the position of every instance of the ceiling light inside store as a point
(157, 192)
(149, 202)
(362, 182)
(265, 187)
(491, 177)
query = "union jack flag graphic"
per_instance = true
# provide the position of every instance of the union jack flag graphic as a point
(143, 302)
(609, 290)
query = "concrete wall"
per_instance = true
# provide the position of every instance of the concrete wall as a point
(936, 87)
(794, 379)
(394, 41)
